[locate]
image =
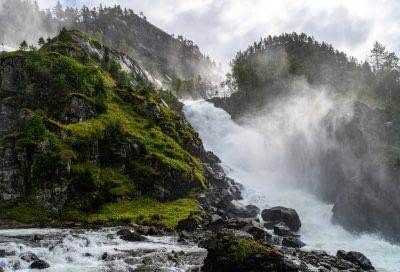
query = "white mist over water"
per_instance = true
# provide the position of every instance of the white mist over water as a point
(261, 157)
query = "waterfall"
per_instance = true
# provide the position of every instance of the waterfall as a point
(260, 156)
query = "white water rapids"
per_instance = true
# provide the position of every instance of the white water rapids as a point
(254, 157)
(76, 250)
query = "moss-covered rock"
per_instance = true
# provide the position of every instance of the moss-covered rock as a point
(232, 250)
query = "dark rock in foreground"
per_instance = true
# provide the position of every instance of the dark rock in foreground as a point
(232, 250)
(189, 224)
(292, 242)
(39, 264)
(282, 214)
(38, 237)
(355, 258)
(282, 230)
(6, 253)
(130, 236)
(29, 257)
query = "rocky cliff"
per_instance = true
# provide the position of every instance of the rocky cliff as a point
(82, 127)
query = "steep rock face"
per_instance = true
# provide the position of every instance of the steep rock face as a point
(12, 184)
(360, 175)
(75, 137)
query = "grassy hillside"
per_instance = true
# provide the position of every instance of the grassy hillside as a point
(89, 139)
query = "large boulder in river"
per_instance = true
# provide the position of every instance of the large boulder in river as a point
(39, 264)
(356, 258)
(281, 214)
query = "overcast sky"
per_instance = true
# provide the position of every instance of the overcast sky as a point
(222, 27)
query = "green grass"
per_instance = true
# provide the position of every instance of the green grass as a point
(145, 211)
(28, 212)
(157, 144)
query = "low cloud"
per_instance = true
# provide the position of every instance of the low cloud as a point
(221, 28)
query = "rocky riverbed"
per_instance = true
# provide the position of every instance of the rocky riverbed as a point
(95, 250)
(224, 235)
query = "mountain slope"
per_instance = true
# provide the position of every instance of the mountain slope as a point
(82, 128)
(171, 62)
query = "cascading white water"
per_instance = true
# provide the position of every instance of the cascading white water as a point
(71, 250)
(259, 156)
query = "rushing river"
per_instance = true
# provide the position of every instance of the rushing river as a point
(254, 157)
(74, 250)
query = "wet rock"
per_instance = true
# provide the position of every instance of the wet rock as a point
(235, 209)
(282, 214)
(282, 230)
(184, 235)
(133, 237)
(292, 242)
(211, 158)
(122, 232)
(189, 224)
(153, 231)
(223, 249)
(28, 257)
(226, 197)
(356, 258)
(104, 256)
(39, 264)
(252, 211)
(16, 265)
(257, 232)
(216, 219)
(1, 269)
(110, 236)
(38, 237)
(270, 224)
(6, 253)
(142, 230)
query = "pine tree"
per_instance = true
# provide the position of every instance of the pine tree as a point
(23, 46)
(378, 56)
(41, 41)
(58, 11)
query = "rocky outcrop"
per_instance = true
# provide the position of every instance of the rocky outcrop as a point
(230, 250)
(74, 135)
(356, 258)
(276, 215)
(237, 251)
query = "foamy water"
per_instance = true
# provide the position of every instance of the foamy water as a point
(258, 158)
(84, 251)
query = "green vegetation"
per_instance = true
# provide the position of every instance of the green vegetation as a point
(266, 71)
(240, 249)
(111, 159)
(25, 211)
(145, 211)
(247, 248)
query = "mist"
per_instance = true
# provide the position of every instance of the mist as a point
(24, 21)
(278, 156)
